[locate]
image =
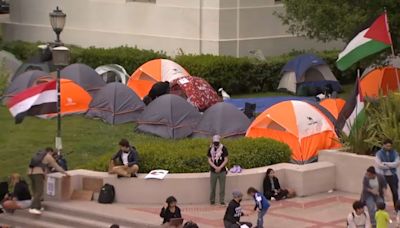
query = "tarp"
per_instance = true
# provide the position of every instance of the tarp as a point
(84, 76)
(154, 71)
(169, 116)
(196, 91)
(300, 125)
(222, 119)
(262, 103)
(116, 103)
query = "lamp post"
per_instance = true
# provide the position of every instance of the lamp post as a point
(57, 21)
(61, 57)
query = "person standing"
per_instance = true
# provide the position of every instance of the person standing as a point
(38, 168)
(387, 162)
(234, 212)
(358, 218)
(262, 205)
(125, 163)
(217, 159)
(381, 216)
(374, 186)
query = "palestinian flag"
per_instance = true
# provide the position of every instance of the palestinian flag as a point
(369, 41)
(352, 114)
(37, 100)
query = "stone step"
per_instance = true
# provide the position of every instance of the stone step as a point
(99, 212)
(18, 221)
(64, 219)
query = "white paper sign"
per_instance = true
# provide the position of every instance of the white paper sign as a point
(183, 81)
(51, 186)
(157, 174)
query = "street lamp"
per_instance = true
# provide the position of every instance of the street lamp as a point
(57, 21)
(61, 56)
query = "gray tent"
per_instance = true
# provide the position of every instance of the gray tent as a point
(113, 73)
(9, 62)
(24, 81)
(223, 119)
(116, 103)
(84, 76)
(169, 116)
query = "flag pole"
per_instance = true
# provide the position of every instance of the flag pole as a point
(392, 48)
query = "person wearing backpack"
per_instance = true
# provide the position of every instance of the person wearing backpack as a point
(38, 167)
(359, 217)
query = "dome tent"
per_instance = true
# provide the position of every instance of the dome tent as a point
(84, 76)
(307, 72)
(169, 116)
(23, 81)
(222, 119)
(113, 73)
(116, 103)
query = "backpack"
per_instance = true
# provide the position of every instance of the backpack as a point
(107, 194)
(37, 159)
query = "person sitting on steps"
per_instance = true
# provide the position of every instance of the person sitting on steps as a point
(170, 211)
(125, 163)
(20, 198)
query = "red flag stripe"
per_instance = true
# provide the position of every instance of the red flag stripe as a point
(379, 30)
(52, 85)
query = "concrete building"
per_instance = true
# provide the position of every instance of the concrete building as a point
(221, 27)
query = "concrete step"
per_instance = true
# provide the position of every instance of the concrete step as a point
(19, 221)
(64, 219)
(93, 211)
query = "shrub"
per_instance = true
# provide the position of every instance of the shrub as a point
(189, 155)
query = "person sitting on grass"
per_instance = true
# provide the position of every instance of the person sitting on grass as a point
(125, 163)
(234, 212)
(170, 211)
(261, 206)
(359, 217)
(381, 216)
(20, 198)
(272, 188)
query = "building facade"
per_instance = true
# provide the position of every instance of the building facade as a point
(220, 27)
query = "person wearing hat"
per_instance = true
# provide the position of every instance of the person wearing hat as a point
(234, 212)
(217, 159)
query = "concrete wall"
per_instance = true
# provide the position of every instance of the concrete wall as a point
(225, 27)
(194, 188)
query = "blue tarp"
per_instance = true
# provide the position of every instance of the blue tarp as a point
(301, 64)
(262, 103)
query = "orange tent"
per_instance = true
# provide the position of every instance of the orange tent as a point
(74, 99)
(379, 80)
(154, 71)
(300, 125)
(334, 106)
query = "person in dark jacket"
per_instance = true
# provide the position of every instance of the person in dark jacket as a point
(272, 188)
(170, 210)
(159, 89)
(125, 163)
(234, 212)
(20, 198)
(373, 191)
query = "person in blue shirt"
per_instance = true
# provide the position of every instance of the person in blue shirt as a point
(262, 205)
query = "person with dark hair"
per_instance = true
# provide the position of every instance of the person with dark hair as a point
(125, 163)
(262, 205)
(147, 100)
(114, 226)
(217, 159)
(358, 218)
(234, 212)
(272, 187)
(190, 224)
(170, 210)
(374, 186)
(159, 89)
(38, 167)
(20, 198)
(387, 161)
(381, 216)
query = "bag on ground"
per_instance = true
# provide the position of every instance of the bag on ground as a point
(107, 194)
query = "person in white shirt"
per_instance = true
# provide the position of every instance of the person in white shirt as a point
(125, 163)
(359, 217)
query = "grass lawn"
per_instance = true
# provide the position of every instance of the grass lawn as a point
(83, 139)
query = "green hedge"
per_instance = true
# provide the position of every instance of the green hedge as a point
(235, 75)
(189, 155)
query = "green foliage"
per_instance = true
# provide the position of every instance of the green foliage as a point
(332, 20)
(189, 155)
(382, 121)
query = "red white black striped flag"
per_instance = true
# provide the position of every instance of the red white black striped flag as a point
(37, 100)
